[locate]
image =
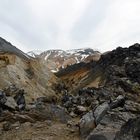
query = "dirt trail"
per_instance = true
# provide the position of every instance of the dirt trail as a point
(41, 131)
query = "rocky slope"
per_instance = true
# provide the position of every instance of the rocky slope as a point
(59, 59)
(20, 70)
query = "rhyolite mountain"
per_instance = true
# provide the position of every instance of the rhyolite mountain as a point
(96, 99)
(60, 59)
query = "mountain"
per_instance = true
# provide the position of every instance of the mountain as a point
(60, 59)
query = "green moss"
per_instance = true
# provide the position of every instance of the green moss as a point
(136, 89)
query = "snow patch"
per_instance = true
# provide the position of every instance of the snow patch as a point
(84, 56)
(46, 57)
(34, 53)
(77, 61)
(54, 71)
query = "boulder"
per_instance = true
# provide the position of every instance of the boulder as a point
(100, 112)
(10, 103)
(6, 126)
(87, 124)
(59, 113)
(20, 99)
(96, 137)
(119, 102)
(2, 97)
(132, 106)
(80, 110)
(49, 112)
(68, 104)
(47, 99)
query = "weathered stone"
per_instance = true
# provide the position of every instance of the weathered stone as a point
(6, 126)
(10, 102)
(75, 100)
(97, 137)
(2, 97)
(80, 110)
(132, 106)
(100, 112)
(72, 114)
(119, 102)
(59, 113)
(68, 104)
(23, 118)
(87, 124)
(47, 99)
(20, 99)
(16, 125)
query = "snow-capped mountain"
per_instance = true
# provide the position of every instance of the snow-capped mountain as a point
(34, 53)
(59, 59)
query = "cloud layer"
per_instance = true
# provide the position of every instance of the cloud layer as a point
(69, 24)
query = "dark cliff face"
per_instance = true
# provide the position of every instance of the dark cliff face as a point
(121, 67)
(120, 56)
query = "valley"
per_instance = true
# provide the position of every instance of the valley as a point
(69, 95)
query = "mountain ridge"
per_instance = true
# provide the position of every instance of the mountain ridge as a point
(60, 59)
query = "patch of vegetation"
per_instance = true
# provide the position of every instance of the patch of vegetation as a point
(136, 89)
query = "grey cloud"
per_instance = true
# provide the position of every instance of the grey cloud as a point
(93, 27)
(93, 16)
(29, 31)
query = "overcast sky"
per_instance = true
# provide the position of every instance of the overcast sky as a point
(70, 24)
